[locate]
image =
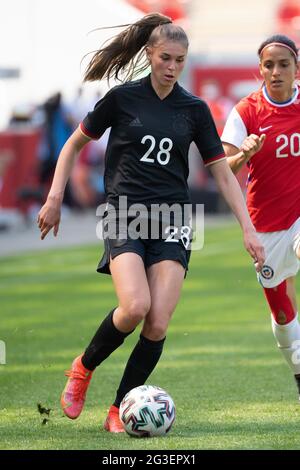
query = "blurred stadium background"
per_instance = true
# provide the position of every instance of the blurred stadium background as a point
(43, 55)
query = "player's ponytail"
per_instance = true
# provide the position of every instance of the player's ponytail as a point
(125, 52)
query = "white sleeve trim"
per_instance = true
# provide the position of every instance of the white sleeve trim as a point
(235, 130)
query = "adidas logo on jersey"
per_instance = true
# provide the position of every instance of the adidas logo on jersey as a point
(136, 123)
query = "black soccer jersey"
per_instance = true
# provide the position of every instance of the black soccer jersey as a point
(147, 152)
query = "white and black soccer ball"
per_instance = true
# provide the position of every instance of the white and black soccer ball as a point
(147, 411)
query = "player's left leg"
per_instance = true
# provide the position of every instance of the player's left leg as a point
(285, 324)
(165, 280)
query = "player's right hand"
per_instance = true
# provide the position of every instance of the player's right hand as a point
(252, 144)
(49, 217)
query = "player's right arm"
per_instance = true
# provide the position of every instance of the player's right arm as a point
(49, 215)
(237, 157)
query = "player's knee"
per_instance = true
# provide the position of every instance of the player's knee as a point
(155, 329)
(137, 309)
(280, 304)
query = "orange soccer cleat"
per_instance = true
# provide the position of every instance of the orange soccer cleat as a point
(73, 396)
(112, 422)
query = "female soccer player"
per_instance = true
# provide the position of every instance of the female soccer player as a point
(153, 122)
(262, 131)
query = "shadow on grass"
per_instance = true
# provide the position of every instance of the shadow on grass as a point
(61, 434)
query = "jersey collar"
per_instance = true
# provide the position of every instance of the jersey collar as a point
(284, 103)
(147, 82)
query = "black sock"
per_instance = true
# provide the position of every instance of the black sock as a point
(106, 340)
(141, 363)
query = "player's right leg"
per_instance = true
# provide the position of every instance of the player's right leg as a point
(278, 280)
(165, 277)
(285, 324)
(131, 285)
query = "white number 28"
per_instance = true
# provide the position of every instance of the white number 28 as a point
(163, 156)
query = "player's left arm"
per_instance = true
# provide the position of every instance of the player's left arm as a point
(230, 188)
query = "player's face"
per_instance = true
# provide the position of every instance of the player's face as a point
(279, 70)
(167, 59)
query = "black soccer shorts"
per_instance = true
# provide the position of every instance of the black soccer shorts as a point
(150, 250)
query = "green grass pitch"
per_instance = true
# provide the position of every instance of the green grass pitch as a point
(231, 387)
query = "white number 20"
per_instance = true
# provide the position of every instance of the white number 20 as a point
(163, 156)
(293, 144)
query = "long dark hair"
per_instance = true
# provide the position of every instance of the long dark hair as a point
(280, 39)
(125, 52)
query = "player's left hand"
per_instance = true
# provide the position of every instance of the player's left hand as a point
(255, 248)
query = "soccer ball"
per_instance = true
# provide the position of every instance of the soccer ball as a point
(147, 411)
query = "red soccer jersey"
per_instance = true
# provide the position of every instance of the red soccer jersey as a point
(273, 190)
